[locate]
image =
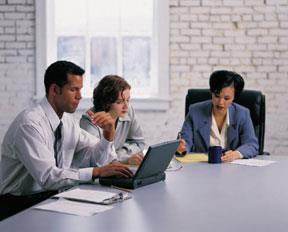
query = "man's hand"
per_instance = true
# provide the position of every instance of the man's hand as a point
(105, 121)
(113, 169)
(230, 155)
(136, 159)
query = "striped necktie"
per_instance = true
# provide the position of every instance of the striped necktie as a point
(57, 142)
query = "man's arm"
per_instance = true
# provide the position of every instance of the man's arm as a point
(31, 148)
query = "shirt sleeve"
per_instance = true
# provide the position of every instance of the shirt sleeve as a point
(32, 150)
(92, 151)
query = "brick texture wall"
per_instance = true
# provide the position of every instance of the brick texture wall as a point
(247, 36)
(17, 57)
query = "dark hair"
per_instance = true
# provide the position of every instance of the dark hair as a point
(107, 91)
(223, 78)
(57, 73)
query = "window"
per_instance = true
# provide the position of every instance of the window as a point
(124, 37)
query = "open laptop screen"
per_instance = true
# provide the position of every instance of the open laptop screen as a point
(157, 159)
(151, 170)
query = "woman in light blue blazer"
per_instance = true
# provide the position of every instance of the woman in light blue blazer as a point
(220, 121)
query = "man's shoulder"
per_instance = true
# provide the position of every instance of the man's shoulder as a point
(31, 115)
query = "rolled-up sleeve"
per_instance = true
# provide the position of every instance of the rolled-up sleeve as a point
(92, 151)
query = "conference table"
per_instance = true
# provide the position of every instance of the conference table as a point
(198, 197)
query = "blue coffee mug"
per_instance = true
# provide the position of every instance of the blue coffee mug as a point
(215, 154)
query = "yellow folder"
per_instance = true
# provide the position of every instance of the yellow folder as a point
(193, 158)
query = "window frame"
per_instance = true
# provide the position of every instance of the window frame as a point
(43, 30)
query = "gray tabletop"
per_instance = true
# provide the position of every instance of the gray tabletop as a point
(199, 197)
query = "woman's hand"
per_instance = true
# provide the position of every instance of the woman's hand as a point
(230, 155)
(182, 147)
(136, 159)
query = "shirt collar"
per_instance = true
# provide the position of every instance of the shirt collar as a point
(50, 113)
(225, 125)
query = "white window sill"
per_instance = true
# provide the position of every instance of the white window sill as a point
(143, 104)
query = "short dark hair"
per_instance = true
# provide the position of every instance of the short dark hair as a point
(223, 78)
(57, 73)
(107, 91)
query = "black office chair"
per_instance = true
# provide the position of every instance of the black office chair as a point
(251, 99)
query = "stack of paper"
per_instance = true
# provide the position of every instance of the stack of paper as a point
(90, 196)
(81, 201)
(73, 207)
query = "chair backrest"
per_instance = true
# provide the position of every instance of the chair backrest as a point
(251, 99)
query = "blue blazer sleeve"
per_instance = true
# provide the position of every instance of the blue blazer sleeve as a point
(197, 125)
(241, 134)
(187, 131)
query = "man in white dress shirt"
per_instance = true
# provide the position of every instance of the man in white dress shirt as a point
(35, 164)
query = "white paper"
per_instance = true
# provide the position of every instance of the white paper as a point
(253, 162)
(87, 195)
(73, 207)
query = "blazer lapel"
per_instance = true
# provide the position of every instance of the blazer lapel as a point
(231, 133)
(205, 127)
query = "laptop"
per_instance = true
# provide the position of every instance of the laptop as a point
(151, 170)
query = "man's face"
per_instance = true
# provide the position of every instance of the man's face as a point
(69, 96)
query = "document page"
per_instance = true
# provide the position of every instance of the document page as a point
(253, 162)
(73, 207)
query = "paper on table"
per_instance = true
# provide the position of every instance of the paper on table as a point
(174, 165)
(193, 158)
(93, 196)
(73, 207)
(253, 162)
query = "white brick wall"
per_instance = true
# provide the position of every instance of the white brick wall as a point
(247, 36)
(17, 30)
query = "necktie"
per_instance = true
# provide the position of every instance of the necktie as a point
(57, 142)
